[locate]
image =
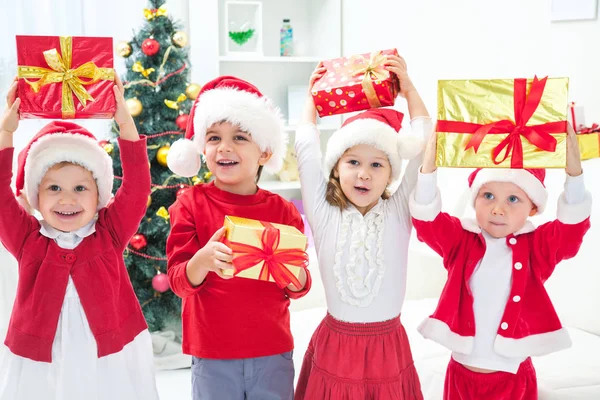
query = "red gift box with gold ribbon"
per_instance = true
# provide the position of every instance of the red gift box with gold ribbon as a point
(265, 251)
(65, 77)
(355, 83)
(502, 123)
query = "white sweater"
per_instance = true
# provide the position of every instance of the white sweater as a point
(362, 259)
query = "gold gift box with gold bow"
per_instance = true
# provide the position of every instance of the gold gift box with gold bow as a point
(65, 77)
(355, 83)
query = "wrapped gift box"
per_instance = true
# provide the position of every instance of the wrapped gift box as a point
(266, 251)
(65, 77)
(355, 83)
(505, 123)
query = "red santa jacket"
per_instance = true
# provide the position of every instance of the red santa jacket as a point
(530, 325)
(96, 265)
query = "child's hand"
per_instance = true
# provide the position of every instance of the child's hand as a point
(429, 157)
(10, 119)
(397, 65)
(573, 153)
(309, 114)
(122, 115)
(215, 257)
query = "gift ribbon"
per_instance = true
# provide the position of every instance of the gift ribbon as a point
(593, 129)
(61, 71)
(275, 260)
(175, 104)
(524, 107)
(138, 67)
(373, 70)
(150, 14)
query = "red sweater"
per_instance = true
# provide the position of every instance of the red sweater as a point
(235, 318)
(96, 265)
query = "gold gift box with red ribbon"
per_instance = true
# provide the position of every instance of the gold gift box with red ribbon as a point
(265, 251)
(65, 77)
(355, 83)
(502, 123)
(589, 142)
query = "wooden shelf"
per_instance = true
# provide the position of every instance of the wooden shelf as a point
(267, 59)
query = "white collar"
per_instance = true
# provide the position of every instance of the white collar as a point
(471, 225)
(53, 233)
(375, 210)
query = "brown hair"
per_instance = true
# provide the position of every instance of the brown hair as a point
(335, 195)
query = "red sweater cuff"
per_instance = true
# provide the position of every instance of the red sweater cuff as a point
(297, 295)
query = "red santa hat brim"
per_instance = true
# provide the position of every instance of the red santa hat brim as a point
(523, 178)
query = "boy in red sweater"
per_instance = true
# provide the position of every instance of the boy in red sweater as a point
(76, 330)
(237, 330)
(494, 312)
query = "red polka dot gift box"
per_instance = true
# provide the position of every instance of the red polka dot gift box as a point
(356, 83)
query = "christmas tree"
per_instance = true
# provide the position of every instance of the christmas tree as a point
(159, 98)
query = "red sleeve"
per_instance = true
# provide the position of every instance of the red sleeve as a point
(182, 244)
(553, 242)
(12, 214)
(123, 216)
(295, 219)
(443, 235)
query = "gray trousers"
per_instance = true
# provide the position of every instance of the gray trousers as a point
(261, 378)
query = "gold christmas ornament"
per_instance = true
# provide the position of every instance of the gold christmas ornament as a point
(175, 104)
(163, 213)
(161, 155)
(138, 67)
(180, 39)
(108, 148)
(149, 201)
(123, 49)
(134, 106)
(192, 90)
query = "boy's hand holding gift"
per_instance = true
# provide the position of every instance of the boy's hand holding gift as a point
(10, 119)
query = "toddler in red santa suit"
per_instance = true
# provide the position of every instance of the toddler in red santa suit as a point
(361, 350)
(76, 330)
(494, 312)
(236, 329)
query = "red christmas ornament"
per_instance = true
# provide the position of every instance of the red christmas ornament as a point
(182, 190)
(182, 121)
(103, 143)
(160, 282)
(150, 47)
(138, 241)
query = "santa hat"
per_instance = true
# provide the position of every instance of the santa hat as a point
(234, 100)
(377, 127)
(62, 141)
(531, 181)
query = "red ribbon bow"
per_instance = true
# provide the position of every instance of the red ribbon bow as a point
(593, 129)
(525, 106)
(247, 256)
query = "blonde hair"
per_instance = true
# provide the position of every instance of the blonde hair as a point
(335, 195)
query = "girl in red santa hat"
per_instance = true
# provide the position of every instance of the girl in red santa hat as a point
(77, 330)
(237, 330)
(361, 233)
(494, 313)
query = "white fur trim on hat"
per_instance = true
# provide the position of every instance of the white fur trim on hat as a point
(183, 158)
(364, 131)
(522, 178)
(256, 115)
(55, 148)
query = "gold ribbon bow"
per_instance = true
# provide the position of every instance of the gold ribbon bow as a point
(138, 67)
(175, 104)
(373, 70)
(150, 14)
(61, 71)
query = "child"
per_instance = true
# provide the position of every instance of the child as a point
(494, 312)
(77, 330)
(237, 330)
(360, 350)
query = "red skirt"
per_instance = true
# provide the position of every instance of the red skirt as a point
(349, 361)
(464, 384)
